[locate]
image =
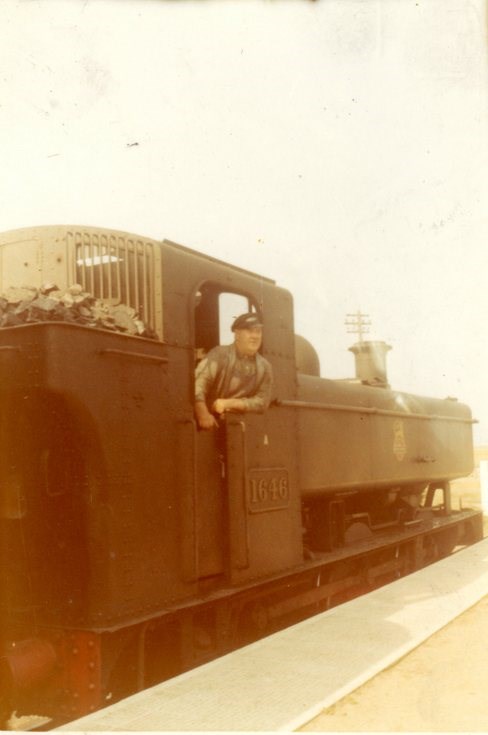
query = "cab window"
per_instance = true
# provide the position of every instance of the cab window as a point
(215, 310)
(230, 306)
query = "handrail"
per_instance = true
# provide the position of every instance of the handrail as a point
(369, 410)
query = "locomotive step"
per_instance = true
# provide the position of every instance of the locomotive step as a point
(283, 681)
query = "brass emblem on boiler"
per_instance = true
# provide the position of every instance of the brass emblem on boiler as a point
(399, 443)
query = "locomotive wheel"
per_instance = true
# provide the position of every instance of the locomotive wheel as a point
(445, 541)
(6, 707)
(253, 623)
(357, 532)
(341, 572)
(124, 672)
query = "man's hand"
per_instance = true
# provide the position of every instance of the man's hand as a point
(209, 422)
(205, 419)
(221, 405)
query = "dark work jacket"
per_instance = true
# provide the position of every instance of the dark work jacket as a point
(214, 374)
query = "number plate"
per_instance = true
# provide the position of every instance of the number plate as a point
(267, 490)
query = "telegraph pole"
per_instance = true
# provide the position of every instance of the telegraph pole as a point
(359, 324)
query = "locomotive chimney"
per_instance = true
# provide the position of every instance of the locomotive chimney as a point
(371, 362)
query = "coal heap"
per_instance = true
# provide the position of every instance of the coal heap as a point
(74, 305)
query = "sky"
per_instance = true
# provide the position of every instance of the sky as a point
(336, 146)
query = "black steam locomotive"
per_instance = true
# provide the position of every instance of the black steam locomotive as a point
(134, 546)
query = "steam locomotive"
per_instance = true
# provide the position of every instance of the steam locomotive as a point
(133, 545)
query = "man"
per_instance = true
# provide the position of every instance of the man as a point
(234, 377)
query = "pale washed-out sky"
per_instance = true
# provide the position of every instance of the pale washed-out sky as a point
(337, 146)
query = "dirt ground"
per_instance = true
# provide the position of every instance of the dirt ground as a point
(438, 687)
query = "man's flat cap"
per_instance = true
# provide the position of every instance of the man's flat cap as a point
(247, 321)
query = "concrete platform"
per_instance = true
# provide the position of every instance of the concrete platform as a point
(282, 682)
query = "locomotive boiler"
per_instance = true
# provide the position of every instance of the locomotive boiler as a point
(133, 545)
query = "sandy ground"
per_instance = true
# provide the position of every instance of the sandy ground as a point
(438, 687)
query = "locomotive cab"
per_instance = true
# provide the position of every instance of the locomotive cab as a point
(246, 490)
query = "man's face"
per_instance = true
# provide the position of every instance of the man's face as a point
(248, 341)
